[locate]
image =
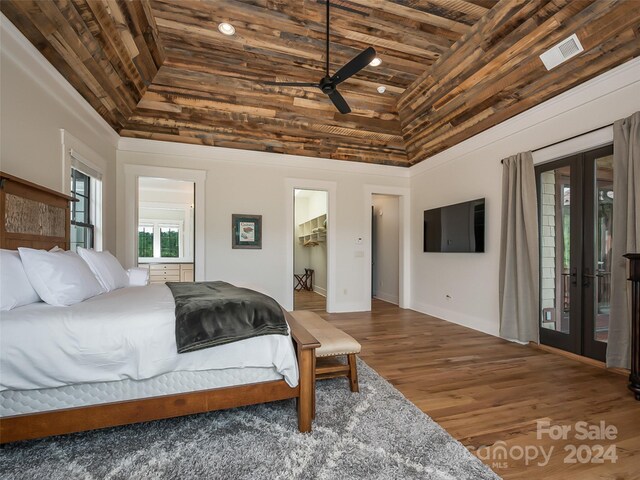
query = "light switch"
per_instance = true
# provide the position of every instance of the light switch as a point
(358, 253)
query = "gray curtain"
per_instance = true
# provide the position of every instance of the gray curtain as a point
(519, 252)
(626, 234)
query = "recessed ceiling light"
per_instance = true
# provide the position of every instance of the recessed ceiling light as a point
(381, 89)
(375, 62)
(226, 28)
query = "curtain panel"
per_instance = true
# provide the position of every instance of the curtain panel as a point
(626, 235)
(519, 251)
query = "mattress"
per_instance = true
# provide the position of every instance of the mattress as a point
(15, 402)
(127, 334)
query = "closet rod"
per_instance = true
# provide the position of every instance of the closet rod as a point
(570, 138)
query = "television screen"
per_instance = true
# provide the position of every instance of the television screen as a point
(455, 228)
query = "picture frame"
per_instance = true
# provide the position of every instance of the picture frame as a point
(246, 231)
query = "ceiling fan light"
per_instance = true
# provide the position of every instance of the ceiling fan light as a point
(375, 62)
(381, 89)
(226, 28)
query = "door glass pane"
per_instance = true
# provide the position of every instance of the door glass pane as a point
(555, 241)
(604, 230)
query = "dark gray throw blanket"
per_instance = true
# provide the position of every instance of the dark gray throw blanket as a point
(215, 313)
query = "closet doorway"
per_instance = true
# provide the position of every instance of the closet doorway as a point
(385, 248)
(575, 196)
(310, 249)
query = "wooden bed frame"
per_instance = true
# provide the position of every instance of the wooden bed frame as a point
(38, 217)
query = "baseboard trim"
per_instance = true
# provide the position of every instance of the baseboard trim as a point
(579, 358)
(319, 290)
(387, 297)
(478, 324)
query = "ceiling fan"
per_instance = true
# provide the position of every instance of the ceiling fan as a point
(329, 82)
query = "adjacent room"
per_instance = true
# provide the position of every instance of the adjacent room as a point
(320, 239)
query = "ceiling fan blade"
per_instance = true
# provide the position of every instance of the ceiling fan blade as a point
(356, 64)
(292, 84)
(339, 101)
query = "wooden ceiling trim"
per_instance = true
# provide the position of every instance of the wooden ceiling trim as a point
(298, 42)
(70, 46)
(94, 50)
(538, 91)
(467, 53)
(24, 24)
(488, 86)
(288, 144)
(160, 69)
(414, 13)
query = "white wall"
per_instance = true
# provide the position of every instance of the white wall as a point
(36, 103)
(387, 246)
(256, 183)
(472, 170)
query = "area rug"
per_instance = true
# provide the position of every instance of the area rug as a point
(374, 434)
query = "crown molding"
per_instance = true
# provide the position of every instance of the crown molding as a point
(615, 79)
(256, 158)
(18, 48)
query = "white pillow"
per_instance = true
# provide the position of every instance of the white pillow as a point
(15, 289)
(138, 277)
(106, 268)
(61, 278)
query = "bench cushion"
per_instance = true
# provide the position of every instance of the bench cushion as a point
(333, 340)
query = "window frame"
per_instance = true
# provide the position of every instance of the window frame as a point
(89, 206)
(157, 225)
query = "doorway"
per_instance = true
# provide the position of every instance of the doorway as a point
(575, 198)
(311, 219)
(385, 248)
(166, 234)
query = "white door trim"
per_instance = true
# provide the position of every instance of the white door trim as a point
(404, 279)
(291, 184)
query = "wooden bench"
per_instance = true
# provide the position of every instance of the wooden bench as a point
(333, 343)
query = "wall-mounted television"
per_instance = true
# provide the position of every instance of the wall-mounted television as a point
(455, 228)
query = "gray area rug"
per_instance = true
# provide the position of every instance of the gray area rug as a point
(374, 434)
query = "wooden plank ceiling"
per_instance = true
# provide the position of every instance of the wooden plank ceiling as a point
(160, 69)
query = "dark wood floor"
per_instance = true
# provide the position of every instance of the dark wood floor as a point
(484, 390)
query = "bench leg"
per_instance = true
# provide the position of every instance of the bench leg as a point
(353, 373)
(313, 396)
(307, 389)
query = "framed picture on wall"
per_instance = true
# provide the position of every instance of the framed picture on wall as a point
(246, 231)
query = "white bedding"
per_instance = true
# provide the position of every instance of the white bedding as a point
(125, 334)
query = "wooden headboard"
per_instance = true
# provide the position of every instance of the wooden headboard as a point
(32, 216)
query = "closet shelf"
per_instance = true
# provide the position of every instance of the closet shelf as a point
(313, 232)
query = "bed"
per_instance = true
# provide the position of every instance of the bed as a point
(111, 360)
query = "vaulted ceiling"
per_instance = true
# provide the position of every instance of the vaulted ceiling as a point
(160, 69)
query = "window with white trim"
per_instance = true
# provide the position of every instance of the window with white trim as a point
(82, 227)
(160, 239)
(86, 211)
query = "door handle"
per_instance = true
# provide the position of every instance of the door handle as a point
(574, 276)
(587, 276)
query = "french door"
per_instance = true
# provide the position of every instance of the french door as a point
(575, 198)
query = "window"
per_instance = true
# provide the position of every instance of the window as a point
(158, 239)
(82, 227)
(145, 241)
(169, 242)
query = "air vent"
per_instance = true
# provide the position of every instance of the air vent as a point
(563, 51)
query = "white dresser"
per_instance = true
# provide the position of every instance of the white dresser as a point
(169, 272)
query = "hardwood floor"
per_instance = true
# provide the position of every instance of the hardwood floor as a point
(304, 300)
(487, 392)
